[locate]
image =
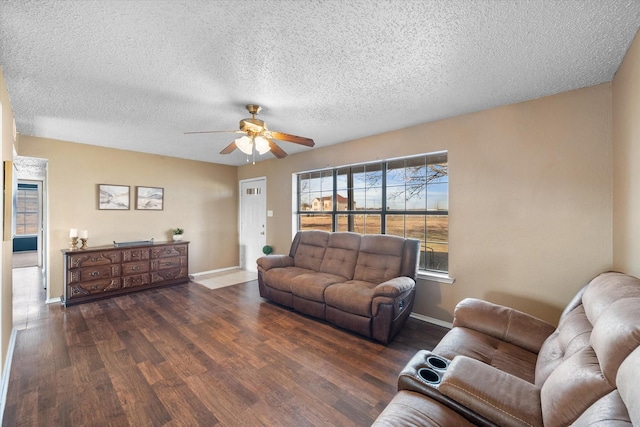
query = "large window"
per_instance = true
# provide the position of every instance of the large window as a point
(406, 197)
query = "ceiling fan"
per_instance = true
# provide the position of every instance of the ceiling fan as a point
(258, 138)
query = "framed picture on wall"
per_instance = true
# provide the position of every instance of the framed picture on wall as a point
(113, 197)
(150, 198)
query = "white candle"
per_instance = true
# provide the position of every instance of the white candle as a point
(84, 234)
(73, 232)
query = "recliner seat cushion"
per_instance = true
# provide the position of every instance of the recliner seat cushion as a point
(312, 286)
(282, 278)
(492, 351)
(353, 296)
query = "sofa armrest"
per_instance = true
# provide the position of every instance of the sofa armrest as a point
(503, 323)
(394, 287)
(274, 261)
(491, 393)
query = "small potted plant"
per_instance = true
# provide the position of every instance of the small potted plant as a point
(177, 234)
(267, 249)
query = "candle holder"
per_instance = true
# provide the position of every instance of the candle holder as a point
(74, 243)
(84, 243)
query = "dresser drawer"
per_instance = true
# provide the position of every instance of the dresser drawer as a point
(131, 255)
(169, 251)
(135, 280)
(135, 267)
(93, 259)
(93, 273)
(161, 276)
(92, 288)
(165, 263)
(102, 272)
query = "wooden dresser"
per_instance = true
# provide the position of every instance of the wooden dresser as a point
(106, 271)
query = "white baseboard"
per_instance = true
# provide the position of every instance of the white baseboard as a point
(432, 320)
(53, 300)
(6, 372)
(204, 273)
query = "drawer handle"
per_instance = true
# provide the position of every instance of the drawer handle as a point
(95, 259)
(168, 263)
(94, 273)
(135, 268)
(94, 287)
(168, 251)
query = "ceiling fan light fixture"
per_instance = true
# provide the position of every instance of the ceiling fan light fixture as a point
(262, 145)
(244, 144)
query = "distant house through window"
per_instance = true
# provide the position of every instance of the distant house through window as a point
(407, 197)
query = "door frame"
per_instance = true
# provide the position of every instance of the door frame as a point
(43, 244)
(262, 179)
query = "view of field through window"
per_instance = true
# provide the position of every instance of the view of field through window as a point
(402, 197)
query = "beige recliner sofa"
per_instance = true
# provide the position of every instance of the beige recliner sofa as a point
(365, 284)
(502, 367)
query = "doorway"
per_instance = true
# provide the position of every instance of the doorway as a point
(253, 215)
(30, 238)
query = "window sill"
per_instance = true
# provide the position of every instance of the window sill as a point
(435, 277)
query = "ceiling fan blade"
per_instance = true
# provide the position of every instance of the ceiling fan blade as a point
(229, 148)
(215, 131)
(277, 151)
(292, 138)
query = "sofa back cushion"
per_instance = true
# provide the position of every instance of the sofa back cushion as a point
(341, 254)
(605, 289)
(616, 334)
(611, 306)
(571, 388)
(308, 249)
(628, 382)
(572, 335)
(379, 259)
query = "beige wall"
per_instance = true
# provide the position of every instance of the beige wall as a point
(200, 197)
(626, 157)
(530, 198)
(6, 308)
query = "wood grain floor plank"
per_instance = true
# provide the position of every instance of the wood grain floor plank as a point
(190, 356)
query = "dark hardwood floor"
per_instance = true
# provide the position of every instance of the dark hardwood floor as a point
(187, 356)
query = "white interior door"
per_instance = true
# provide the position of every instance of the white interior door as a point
(253, 216)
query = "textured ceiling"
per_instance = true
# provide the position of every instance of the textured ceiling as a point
(136, 75)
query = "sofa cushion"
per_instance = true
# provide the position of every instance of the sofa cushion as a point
(605, 289)
(616, 335)
(606, 411)
(628, 382)
(282, 278)
(353, 296)
(379, 259)
(573, 334)
(572, 387)
(412, 409)
(312, 286)
(492, 351)
(341, 255)
(310, 250)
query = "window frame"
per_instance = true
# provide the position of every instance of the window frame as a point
(303, 197)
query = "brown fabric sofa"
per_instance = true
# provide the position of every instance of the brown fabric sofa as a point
(365, 284)
(510, 369)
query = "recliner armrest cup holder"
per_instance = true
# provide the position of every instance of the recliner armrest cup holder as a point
(433, 372)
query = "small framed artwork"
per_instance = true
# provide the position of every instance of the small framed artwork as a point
(113, 197)
(150, 198)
